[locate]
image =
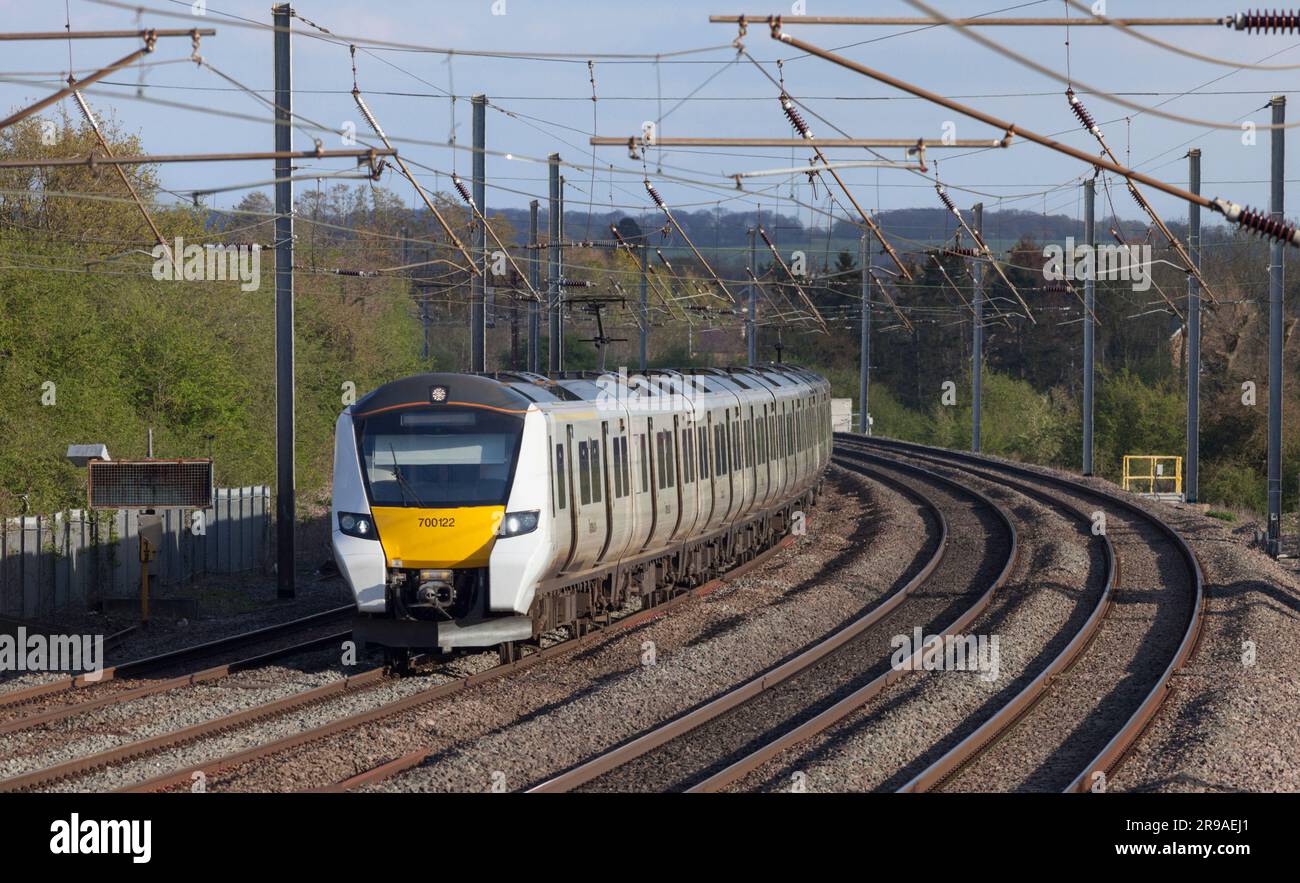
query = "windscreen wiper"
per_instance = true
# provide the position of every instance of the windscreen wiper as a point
(402, 483)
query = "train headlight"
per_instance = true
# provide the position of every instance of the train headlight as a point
(516, 523)
(355, 525)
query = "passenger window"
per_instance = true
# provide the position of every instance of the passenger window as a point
(597, 477)
(560, 477)
(704, 452)
(659, 452)
(584, 473)
(672, 465)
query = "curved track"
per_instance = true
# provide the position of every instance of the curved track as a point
(1117, 719)
(721, 741)
(70, 696)
(182, 777)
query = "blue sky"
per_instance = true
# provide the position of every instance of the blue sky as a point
(545, 105)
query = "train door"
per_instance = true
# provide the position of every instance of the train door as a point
(729, 461)
(567, 455)
(604, 477)
(690, 509)
(704, 488)
(751, 459)
(675, 471)
(765, 453)
(653, 478)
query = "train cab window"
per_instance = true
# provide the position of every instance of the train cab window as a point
(559, 477)
(584, 472)
(439, 457)
(618, 470)
(597, 477)
(645, 467)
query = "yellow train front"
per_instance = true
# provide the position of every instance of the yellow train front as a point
(423, 471)
(476, 511)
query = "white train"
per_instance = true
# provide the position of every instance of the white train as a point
(482, 510)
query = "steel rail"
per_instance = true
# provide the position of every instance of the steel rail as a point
(1109, 758)
(138, 667)
(841, 709)
(953, 761)
(142, 747)
(433, 694)
(733, 698)
(216, 672)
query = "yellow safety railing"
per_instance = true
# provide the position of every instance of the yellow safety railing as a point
(1156, 476)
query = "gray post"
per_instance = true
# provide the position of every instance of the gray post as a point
(977, 339)
(1192, 477)
(554, 343)
(1275, 319)
(285, 508)
(1089, 307)
(645, 299)
(864, 339)
(751, 326)
(478, 285)
(535, 278)
(559, 263)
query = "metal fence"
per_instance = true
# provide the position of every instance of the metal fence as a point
(48, 562)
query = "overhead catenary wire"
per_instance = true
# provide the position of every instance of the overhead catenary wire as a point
(1090, 125)
(24, 113)
(428, 203)
(1244, 216)
(983, 246)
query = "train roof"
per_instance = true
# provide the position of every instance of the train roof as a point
(515, 391)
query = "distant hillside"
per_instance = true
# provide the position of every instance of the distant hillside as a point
(728, 229)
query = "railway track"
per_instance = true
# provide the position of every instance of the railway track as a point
(1104, 729)
(182, 777)
(57, 700)
(723, 740)
(728, 738)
